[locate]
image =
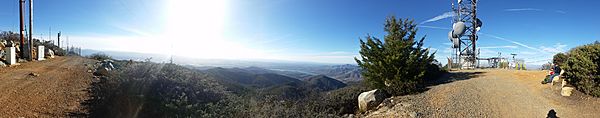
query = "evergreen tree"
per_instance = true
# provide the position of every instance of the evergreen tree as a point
(398, 64)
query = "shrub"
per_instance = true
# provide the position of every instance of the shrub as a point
(344, 100)
(157, 90)
(400, 63)
(582, 68)
(99, 56)
(559, 59)
(546, 66)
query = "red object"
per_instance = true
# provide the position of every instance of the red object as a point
(551, 72)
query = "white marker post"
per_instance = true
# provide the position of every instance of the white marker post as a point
(10, 55)
(40, 53)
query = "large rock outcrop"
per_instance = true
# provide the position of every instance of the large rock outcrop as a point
(370, 99)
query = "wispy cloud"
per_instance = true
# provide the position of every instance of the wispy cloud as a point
(557, 48)
(523, 9)
(513, 42)
(496, 47)
(527, 53)
(561, 11)
(433, 27)
(532, 9)
(440, 17)
(132, 30)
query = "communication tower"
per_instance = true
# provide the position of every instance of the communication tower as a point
(463, 36)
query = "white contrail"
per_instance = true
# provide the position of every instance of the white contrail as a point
(514, 42)
(433, 27)
(440, 17)
(495, 47)
(523, 9)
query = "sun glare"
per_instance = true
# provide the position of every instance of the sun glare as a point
(196, 27)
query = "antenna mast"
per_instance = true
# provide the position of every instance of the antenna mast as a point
(463, 36)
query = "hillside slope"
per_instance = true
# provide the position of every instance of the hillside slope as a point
(324, 83)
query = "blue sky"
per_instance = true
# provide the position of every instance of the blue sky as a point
(303, 30)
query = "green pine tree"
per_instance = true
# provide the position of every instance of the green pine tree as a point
(398, 64)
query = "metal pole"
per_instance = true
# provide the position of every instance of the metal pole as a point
(473, 28)
(31, 30)
(22, 28)
(59, 40)
(50, 34)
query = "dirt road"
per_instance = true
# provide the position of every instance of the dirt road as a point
(492, 93)
(56, 92)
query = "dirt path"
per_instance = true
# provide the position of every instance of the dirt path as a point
(57, 91)
(493, 93)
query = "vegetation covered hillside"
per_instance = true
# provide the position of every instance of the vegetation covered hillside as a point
(146, 89)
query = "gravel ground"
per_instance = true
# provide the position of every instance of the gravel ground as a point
(55, 89)
(490, 93)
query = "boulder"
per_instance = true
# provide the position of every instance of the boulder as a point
(370, 99)
(34, 74)
(101, 71)
(50, 53)
(2, 64)
(105, 67)
(566, 91)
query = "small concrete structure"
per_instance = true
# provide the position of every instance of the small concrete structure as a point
(10, 55)
(40, 53)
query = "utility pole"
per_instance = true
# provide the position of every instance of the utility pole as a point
(30, 30)
(50, 35)
(68, 45)
(58, 40)
(22, 29)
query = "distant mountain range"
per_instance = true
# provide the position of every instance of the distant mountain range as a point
(285, 79)
(298, 70)
(258, 81)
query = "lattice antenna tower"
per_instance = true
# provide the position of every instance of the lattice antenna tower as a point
(463, 36)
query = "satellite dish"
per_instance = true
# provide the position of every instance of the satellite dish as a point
(456, 42)
(458, 29)
(450, 35)
(478, 24)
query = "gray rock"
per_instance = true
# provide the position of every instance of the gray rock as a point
(105, 67)
(566, 91)
(101, 71)
(370, 99)
(2, 64)
(34, 74)
(413, 114)
(348, 116)
(21, 60)
(50, 53)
